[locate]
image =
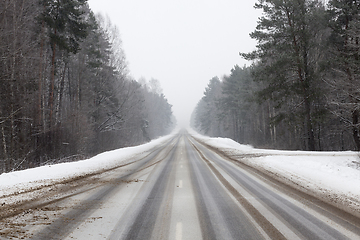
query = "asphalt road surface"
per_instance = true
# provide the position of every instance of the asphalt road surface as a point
(182, 189)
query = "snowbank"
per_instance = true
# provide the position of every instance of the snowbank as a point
(30, 178)
(331, 175)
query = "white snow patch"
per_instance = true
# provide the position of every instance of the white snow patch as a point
(30, 178)
(335, 174)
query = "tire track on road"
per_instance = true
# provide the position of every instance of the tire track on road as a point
(140, 217)
(304, 224)
(67, 222)
(220, 217)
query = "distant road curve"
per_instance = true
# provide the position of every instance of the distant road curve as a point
(181, 189)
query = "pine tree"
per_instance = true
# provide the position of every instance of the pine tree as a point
(236, 94)
(345, 25)
(66, 27)
(207, 119)
(286, 38)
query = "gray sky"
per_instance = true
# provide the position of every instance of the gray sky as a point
(182, 43)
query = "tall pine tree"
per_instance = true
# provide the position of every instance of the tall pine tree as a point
(66, 27)
(345, 25)
(286, 38)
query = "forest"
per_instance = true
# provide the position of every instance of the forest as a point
(66, 92)
(302, 90)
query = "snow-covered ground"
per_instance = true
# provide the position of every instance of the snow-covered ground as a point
(334, 176)
(23, 180)
(331, 176)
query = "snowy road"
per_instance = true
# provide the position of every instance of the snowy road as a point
(181, 189)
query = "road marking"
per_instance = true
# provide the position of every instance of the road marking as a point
(179, 231)
(180, 184)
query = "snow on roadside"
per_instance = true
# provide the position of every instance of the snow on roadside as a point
(31, 178)
(332, 176)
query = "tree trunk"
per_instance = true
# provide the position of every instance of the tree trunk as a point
(61, 92)
(306, 86)
(12, 84)
(52, 87)
(40, 76)
(5, 155)
(309, 126)
(355, 129)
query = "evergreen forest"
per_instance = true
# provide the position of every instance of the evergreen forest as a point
(302, 90)
(65, 90)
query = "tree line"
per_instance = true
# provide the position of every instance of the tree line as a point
(302, 90)
(65, 89)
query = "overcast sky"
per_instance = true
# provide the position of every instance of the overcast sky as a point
(182, 43)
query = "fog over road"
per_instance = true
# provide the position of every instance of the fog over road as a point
(182, 189)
